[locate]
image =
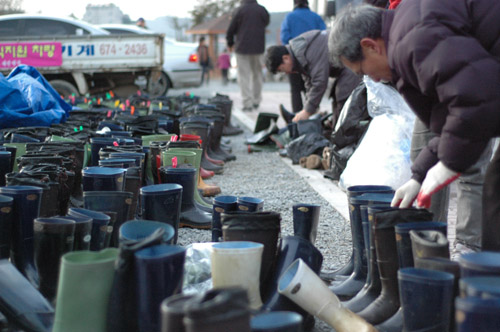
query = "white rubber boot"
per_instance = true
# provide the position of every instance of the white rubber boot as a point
(301, 285)
(237, 263)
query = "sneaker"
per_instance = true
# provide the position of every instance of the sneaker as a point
(459, 249)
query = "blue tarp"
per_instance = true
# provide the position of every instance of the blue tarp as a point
(28, 100)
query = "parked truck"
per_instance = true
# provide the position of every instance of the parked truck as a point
(87, 63)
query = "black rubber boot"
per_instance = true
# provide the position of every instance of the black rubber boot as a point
(429, 243)
(387, 304)
(173, 312)
(115, 201)
(26, 208)
(6, 203)
(53, 238)
(124, 292)
(305, 221)
(191, 215)
(218, 310)
(260, 227)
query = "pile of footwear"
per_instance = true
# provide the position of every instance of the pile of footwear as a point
(400, 277)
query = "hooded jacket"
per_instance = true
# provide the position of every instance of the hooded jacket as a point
(445, 57)
(248, 24)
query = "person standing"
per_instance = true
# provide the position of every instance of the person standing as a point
(248, 25)
(204, 60)
(224, 62)
(300, 20)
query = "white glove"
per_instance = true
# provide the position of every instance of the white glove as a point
(406, 194)
(438, 177)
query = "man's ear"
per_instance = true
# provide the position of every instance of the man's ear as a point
(369, 45)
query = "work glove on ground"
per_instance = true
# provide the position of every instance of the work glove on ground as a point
(438, 177)
(406, 194)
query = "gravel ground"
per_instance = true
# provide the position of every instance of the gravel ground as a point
(264, 175)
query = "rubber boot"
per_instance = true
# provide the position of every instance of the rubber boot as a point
(477, 314)
(300, 284)
(53, 238)
(4, 166)
(290, 249)
(352, 285)
(305, 221)
(215, 149)
(218, 310)
(190, 158)
(405, 259)
(6, 203)
(83, 292)
(96, 143)
(237, 264)
(100, 223)
(484, 263)
(122, 314)
(112, 222)
(162, 202)
(404, 242)
(138, 230)
(426, 298)
(20, 149)
(443, 265)
(12, 150)
(224, 309)
(191, 215)
(202, 131)
(353, 191)
(429, 243)
(222, 204)
(133, 185)
(83, 232)
(279, 321)
(372, 288)
(26, 207)
(150, 162)
(49, 205)
(387, 304)
(250, 204)
(173, 312)
(260, 227)
(207, 190)
(226, 105)
(159, 272)
(115, 201)
(140, 159)
(21, 303)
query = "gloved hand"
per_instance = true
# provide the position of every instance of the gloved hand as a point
(438, 177)
(406, 194)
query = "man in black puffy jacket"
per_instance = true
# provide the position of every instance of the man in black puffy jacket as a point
(443, 57)
(248, 25)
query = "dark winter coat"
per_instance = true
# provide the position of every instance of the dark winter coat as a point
(248, 25)
(445, 57)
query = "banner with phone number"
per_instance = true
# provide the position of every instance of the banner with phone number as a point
(41, 54)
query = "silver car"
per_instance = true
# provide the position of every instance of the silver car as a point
(180, 62)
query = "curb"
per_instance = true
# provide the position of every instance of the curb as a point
(326, 188)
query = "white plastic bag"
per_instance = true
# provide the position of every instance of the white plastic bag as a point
(197, 268)
(383, 156)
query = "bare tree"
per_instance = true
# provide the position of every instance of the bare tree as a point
(11, 7)
(180, 28)
(209, 9)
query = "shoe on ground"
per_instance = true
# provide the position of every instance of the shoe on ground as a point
(247, 109)
(256, 106)
(287, 116)
(460, 249)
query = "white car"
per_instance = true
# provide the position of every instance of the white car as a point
(43, 25)
(180, 61)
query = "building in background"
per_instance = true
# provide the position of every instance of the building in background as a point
(101, 14)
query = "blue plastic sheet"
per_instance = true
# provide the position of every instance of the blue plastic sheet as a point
(28, 100)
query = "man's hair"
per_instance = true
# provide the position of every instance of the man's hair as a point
(202, 39)
(274, 57)
(300, 3)
(351, 25)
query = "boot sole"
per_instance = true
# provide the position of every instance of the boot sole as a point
(198, 226)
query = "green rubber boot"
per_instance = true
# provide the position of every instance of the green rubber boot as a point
(146, 141)
(84, 288)
(186, 156)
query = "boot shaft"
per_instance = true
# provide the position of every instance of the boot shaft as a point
(305, 221)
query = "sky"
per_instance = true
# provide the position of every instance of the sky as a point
(149, 9)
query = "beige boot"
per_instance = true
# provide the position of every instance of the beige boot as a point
(301, 285)
(237, 263)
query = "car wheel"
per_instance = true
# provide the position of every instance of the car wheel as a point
(160, 86)
(64, 88)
